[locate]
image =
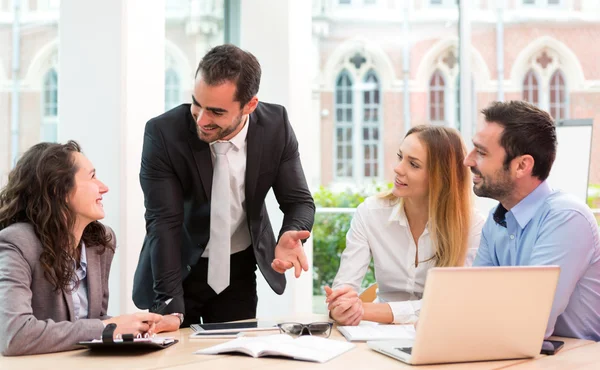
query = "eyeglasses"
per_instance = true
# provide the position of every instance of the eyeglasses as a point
(296, 329)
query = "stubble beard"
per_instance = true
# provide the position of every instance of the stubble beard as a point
(497, 190)
(220, 132)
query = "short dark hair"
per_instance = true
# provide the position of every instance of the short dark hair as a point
(527, 130)
(230, 63)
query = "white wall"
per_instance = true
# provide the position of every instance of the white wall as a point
(282, 43)
(111, 57)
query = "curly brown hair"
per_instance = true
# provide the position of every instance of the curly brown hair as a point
(37, 192)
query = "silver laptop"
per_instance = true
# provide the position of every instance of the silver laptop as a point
(479, 314)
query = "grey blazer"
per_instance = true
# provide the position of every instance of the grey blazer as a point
(34, 318)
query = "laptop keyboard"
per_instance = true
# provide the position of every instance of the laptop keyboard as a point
(405, 349)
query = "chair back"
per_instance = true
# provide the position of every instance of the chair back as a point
(369, 294)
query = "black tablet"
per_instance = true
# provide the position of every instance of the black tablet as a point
(227, 327)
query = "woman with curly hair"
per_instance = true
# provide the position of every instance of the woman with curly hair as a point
(55, 256)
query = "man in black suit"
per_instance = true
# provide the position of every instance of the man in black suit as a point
(195, 217)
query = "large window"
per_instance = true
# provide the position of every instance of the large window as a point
(49, 126)
(437, 98)
(343, 126)
(192, 28)
(558, 96)
(172, 89)
(531, 88)
(358, 121)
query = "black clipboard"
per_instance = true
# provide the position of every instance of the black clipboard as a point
(128, 342)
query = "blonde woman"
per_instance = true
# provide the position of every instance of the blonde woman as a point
(427, 220)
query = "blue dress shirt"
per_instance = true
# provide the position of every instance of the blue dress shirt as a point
(551, 228)
(80, 295)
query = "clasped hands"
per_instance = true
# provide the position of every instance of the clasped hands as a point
(344, 305)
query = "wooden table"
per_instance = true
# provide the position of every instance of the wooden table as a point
(576, 353)
(362, 357)
(582, 357)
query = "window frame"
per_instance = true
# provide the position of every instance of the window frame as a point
(168, 105)
(49, 124)
(378, 143)
(565, 103)
(531, 72)
(356, 140)
(344, 125)
(444, 121)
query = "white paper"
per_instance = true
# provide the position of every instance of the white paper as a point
(377, 332)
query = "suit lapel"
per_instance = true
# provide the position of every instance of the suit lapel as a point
(94, 283)
(254, 141)
(201, 152)
(69, 301)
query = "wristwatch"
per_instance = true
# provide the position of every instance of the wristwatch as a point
(180, 316)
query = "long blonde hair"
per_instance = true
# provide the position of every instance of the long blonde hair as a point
(449, 193)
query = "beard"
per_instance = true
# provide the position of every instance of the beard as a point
(497, 187)
(220, 132)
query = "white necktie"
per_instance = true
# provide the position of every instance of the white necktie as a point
(219, 244)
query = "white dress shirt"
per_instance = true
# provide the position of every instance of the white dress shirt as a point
(380, 230)
(240, 234)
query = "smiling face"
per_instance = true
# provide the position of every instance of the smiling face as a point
(85, 199)
(490, 177)
(412, 178)
(217, 114)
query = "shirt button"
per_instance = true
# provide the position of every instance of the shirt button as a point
(189, 268)
(512, 237)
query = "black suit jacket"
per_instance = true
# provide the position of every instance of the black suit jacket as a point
(176, 178)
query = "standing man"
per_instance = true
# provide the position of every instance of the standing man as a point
(206, 170)
(534, 224)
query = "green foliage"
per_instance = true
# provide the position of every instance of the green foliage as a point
(329, 234)
(593, 198)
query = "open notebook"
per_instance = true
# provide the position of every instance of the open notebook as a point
(371, 331)
(305, 348)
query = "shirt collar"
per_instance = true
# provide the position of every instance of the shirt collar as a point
(83, 261)
(528, 206)
(81, 271)
(239, 139)
(398, 215)
(500, 215)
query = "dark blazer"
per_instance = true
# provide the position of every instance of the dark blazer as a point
(176, 177)
(35, 318)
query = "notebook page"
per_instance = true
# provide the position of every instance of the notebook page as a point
(377, 332)
(311, 348)
(253, 346)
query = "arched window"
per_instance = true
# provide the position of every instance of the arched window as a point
(531, 88)
(343, 126)
(437, 96)
(172, 89)
(558, 96)
(371, 125)
(49, 127)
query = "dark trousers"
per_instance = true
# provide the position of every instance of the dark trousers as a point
(237, 302)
